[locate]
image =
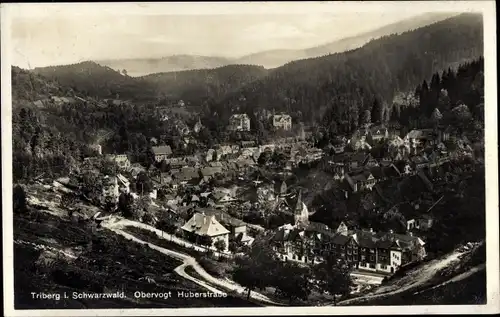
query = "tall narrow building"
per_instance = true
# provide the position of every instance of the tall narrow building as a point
(301, 213)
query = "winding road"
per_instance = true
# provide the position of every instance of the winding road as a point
(209, 282)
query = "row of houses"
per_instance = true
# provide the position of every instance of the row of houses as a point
(383, 252)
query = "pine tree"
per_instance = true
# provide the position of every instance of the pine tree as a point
(394, 116)
(376, 113)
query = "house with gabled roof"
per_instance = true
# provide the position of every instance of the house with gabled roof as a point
(162, 152)
(239, 122)
(360, 180)
(122, 160)
(282, 121)
(202, 226)
(378, 132)
(358, 160)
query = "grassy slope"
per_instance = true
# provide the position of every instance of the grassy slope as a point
(469, 291)
(105, 263)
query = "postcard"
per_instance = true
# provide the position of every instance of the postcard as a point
(241, 158)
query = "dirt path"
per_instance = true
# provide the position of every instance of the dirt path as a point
(119, 223)
(189, 261)
(457, 278)
(180, 269)
(46, 248)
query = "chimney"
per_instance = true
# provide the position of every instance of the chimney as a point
(371, 229)
(391, 231)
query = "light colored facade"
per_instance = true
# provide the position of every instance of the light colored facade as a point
(282, 121)
(121, 160)
(123, 184)
(162, 152)
(111, 189)
(239, 122)
(203, 225)
(361, 181)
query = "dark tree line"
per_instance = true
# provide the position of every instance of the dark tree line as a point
(450, 95)
(259, 268)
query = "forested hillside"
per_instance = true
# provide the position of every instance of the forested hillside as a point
(30, 86)
(347, 84)
(279, 57)
(51, 138)
(99, 81)
(95, 80)
(193, 85)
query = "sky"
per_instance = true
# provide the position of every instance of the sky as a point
(56, 35)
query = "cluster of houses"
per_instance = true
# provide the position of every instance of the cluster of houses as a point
(311, 242)
(420, 155)
(420, 152)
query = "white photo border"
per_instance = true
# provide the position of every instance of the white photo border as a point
(9, 11)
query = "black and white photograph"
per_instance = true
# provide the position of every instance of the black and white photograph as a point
(249, 158)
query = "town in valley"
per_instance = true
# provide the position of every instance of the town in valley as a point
(351, 178)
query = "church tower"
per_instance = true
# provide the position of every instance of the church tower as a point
(283, 189)
(301, 213)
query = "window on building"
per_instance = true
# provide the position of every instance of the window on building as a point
(349, 252)
(342, 247)
(372, 265)
(384, 267)
(355, 251)
(363, 258)
(363, 249)
(372, 250)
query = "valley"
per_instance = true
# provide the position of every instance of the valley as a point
(350, 174)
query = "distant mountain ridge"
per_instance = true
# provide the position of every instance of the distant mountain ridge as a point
(386, 60)
(276, 58)
(268, 59)
(137, 67)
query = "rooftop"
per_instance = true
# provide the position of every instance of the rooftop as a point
(204, 225)
(162, 150)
